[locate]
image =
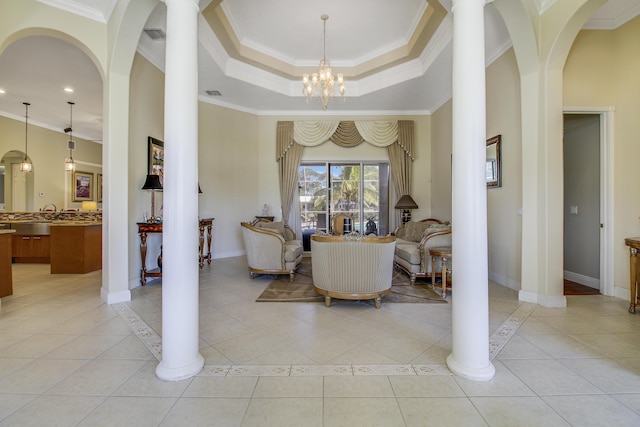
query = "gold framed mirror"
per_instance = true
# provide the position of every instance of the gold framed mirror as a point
(493, 167)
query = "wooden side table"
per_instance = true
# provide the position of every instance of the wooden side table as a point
(634, 263)
(443, 252)
(208, 224)
(144, 228)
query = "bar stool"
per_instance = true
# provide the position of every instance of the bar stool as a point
(443, 252)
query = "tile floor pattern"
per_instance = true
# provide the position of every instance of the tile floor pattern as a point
(67, 359)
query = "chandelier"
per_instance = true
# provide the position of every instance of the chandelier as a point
(69, 164)
(26, 165)
(323, 83)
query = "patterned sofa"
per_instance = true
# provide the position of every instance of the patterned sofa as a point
(271, 248)
(413, 241)
(348, 267)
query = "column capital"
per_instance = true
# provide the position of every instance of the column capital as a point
(454, 3)
(195, 3)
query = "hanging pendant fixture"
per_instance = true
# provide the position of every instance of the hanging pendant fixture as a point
(323, 83)
(69, 164)
(26, 165)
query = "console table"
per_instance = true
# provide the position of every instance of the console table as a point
(144, 228)
(634, 263)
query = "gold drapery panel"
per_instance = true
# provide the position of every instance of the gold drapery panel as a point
(284, 138)
(288, 163)
(292, 137)
(346, 135)
(401, 159)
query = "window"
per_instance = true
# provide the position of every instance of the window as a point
(358, 189)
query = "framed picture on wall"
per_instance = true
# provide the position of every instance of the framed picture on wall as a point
(99, 189)
(156, 158)
(82, 186)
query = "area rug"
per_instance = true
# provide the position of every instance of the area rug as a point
(280, 289)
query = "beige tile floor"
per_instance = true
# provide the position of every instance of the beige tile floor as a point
(67, 359)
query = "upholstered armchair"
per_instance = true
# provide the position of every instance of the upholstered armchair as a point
(413, 241)
(346, 268)
(271, 248)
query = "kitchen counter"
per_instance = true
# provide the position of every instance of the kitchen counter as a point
(70, 246)
(76, 248)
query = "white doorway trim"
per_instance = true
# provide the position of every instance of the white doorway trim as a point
(606, 192)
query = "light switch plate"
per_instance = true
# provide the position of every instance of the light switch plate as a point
(573, 210)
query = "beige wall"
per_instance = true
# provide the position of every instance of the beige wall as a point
(146, 118)
(441, 138)
(504, 222)
(503, 204)
(47, 151)
(602, 70)
(229, 170)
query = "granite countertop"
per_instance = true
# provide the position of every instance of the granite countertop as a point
(50, 221)
(7, 231)
(81, 223)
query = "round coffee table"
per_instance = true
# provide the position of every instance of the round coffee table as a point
(443, 252)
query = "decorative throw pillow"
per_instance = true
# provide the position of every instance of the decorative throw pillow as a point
(276, 226)
(415, 230)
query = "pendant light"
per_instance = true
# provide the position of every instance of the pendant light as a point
(25, 165)
(69, 164)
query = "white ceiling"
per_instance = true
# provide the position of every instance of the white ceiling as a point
(287, 33)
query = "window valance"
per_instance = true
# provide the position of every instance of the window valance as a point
(346, 134)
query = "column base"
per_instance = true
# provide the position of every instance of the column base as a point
(473, 374)
(114, 297)
(166, 373)
(549, 301)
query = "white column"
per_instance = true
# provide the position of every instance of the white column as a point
(180, 356)
(115, 221)
(470, 300)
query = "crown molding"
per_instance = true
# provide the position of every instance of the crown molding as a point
(83, 10)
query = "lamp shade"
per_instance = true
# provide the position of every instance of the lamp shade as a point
(406, 202)
(152, 183)
(89, 206)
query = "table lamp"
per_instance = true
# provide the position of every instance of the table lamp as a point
(153, 183)
(406, 203)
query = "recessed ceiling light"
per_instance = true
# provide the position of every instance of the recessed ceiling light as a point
(2, 92)
(68, 89)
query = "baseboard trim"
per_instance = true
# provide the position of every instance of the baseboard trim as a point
(504, 281)
(581, 279)
(543, 300)
(114, 297)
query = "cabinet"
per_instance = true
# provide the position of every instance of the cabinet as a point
(30, 248)
(76, 249)
(6, 280)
